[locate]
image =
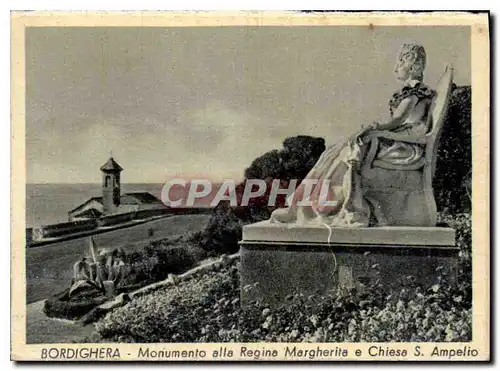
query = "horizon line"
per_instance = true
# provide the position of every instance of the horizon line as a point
(98, 183)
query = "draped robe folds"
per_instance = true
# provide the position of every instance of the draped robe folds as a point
(335, 178)
(335, 171)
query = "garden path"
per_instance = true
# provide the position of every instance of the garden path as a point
(45, 330)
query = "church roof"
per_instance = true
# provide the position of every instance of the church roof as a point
(138, 198)
(133, 198)
(97, 199)
(111, 165)
(89, 213)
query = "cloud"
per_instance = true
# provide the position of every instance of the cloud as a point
(206, 100)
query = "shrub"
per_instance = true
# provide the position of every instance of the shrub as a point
(61, 306)
(207, 309)
(224, 231)
(454, 164)
(160, 258)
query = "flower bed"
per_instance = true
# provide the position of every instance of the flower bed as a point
(206, 308)
(151, 264)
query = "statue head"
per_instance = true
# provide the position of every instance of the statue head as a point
(411, 62)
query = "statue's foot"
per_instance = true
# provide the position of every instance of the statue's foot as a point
(305, 215)
(284, 215)
(350, 220)
(317, 220)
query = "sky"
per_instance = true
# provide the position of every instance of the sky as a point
(204, 102)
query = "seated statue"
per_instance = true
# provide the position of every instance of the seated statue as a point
(382, 175)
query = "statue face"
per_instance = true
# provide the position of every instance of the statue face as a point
(402, 70)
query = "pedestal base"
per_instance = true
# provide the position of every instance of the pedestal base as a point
(279, 259)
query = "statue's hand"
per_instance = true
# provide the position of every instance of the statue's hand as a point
(374, 126)
(368, 128)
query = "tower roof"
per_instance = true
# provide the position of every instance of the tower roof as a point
(111, 165)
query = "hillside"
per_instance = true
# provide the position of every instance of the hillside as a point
(205, 307)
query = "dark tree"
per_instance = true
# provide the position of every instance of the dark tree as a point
(452, 180)
(294, 161)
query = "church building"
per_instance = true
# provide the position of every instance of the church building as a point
(112, 202)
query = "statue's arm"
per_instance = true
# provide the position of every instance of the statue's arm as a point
(400, 114)
(400, 137)
(398, 119)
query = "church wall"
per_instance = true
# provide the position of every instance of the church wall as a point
(134, 214)
(115, 219)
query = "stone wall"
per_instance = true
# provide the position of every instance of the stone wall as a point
(61, 229)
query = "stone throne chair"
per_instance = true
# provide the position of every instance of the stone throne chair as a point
(279, 259)
(403, 194)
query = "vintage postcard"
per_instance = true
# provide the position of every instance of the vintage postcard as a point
(294, 186)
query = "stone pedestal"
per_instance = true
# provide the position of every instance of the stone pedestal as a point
(281, 259)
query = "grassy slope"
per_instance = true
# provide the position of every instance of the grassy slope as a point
(49, 268)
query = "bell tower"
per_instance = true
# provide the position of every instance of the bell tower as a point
(111, 186)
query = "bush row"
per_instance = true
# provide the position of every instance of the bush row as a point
(160, 258)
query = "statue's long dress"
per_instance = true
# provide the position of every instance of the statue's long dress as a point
(337, 175)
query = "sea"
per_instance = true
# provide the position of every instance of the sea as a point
(50, 203)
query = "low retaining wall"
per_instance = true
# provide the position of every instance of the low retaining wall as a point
(115, 219)
(35, 236)
(60, 229)
(172, 280)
